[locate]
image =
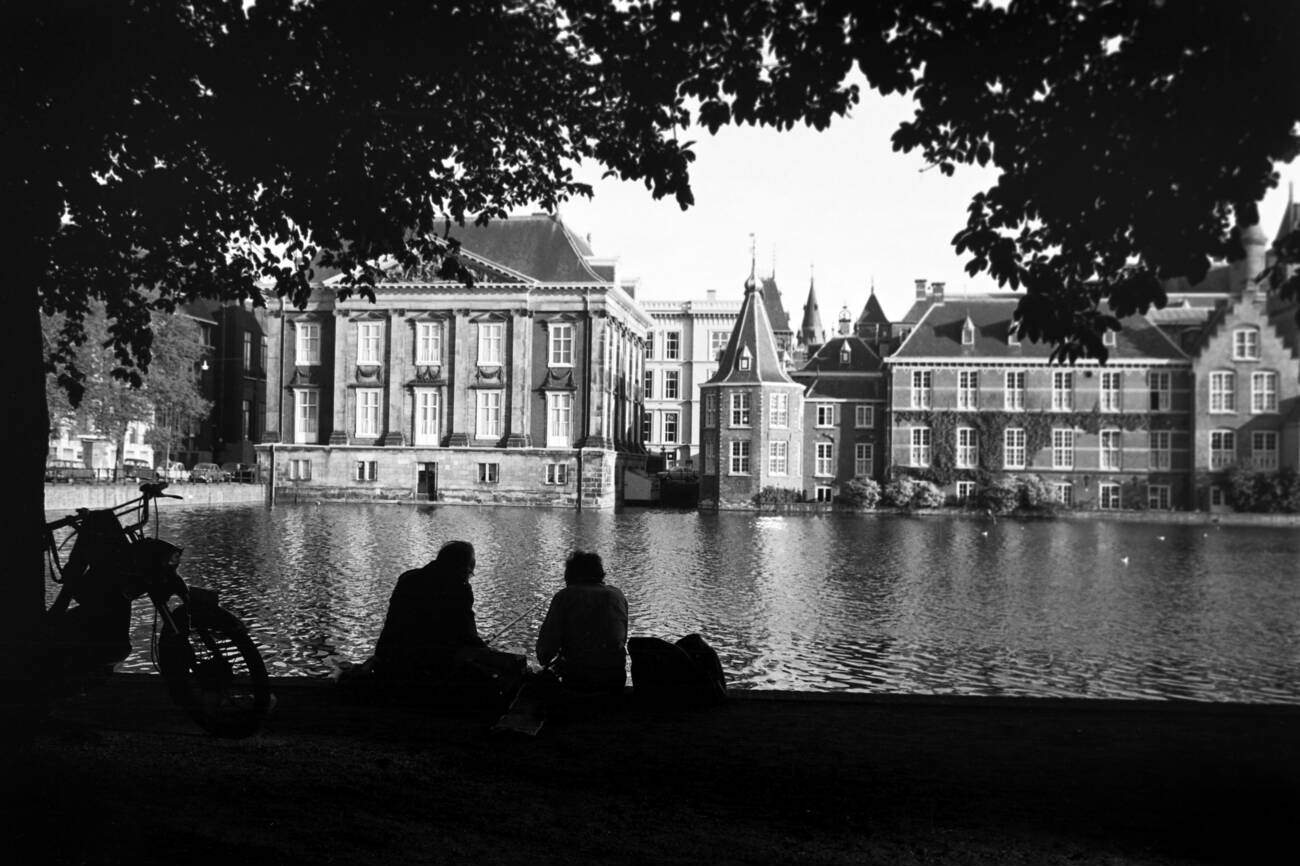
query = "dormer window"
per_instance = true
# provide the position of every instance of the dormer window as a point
(846, 354)
(1108, 339)
(1013, 335)
(746, 359)
(968, 333)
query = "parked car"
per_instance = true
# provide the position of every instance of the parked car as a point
(206, 473)
(133, 470)
(174, 471)
(243, 472)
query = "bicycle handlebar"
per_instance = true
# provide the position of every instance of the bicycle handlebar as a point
(149, 490)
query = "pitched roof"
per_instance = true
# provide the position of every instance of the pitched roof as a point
(916, 311)
(831, 388)
(1217, 281)
(827, 359)
(938, 335)
(1290, 217)
(772, 303)
(540, 246)
(873, 313)
(751, 338)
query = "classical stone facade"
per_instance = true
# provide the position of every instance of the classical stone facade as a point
(523, 388)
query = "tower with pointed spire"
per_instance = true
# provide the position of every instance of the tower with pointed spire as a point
(873, 325)
(811, 333)
(753, 421)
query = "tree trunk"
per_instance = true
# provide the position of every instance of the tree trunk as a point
(24, 440)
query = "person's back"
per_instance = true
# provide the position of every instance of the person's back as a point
(430, 617)
(585, 630)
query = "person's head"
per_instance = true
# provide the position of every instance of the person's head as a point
(583, 566)
(456, 558)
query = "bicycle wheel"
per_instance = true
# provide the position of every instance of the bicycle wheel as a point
(215, 672)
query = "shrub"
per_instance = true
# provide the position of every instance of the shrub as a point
(926, 494)
(777, 496)
(860, 492)
(1035, 494)
(899, 492)
(999, 495)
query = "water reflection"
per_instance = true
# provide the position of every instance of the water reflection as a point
(836, 602)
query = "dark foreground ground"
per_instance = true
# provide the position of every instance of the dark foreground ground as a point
(120, 776)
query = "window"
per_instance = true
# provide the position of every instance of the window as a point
(671, 423)
(368, 335)
(671, 378)
(1216, 497)
(1062, 391)
(846, 354)
(1108, 339)
(649, 384)
(1263, 449)
(366, 470)
(368, 412)
(967, 447)
(1223, 449)
(1013, 398)
(922, 389)
(307, 344)
(825, 414)
(261, 357)
(740, 409)
(650, 345)
(822, 493)
(557, 473)
(646, 432)
(1062, 448)
(559, 419)
(1263, 392)
(965, 490)
(1108, 496)
(920, 453)
(779, 410)
(248, 351)
(718, 343)
(968, 389)
(864, 416)
(561, 345)
(1160, 391)
(1064, 493)
(428, 343)
(1110, 444)
(672, 346)
(205, 335)
(1110, 390)
(1013, 335)
(1223, 391)
(1158, 497)
(777, 458)
(710, 459)
(1160, 449)
(490, 336)
(250, 421)
(745, 358)
(1013, 448)
(864, 460)
(427, 411)
(489, 473)
(299, 470)
(304, 422)
(739, 458)
(968, 333)
(488, 415)
(1245, 344)
(824, 463)
(711, 410)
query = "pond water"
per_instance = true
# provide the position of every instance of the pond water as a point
(867, 603)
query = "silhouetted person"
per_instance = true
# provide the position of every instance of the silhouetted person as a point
(430, 618)
(584, 635)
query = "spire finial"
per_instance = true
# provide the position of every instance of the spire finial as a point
(773, 263)
(873, 284)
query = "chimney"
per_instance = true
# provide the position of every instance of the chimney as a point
(938, 292)
(920, 290)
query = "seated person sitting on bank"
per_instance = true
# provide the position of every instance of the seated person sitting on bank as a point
(584, 636)
(430, 618)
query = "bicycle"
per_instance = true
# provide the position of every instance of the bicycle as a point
(210, 665)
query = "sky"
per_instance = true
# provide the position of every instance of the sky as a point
(838, 205)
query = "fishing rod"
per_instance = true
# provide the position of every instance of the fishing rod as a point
(512, 622)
